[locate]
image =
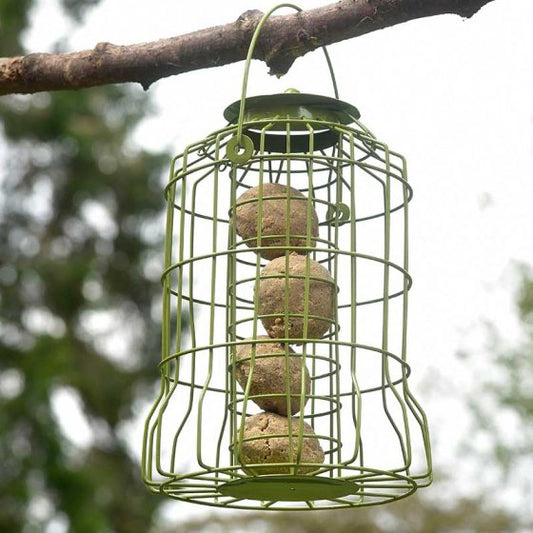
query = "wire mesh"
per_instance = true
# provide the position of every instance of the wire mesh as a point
(303, 403)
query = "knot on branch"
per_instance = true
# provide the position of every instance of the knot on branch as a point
(282, 54)
(249, 20)
(303, 36)
(103, 48)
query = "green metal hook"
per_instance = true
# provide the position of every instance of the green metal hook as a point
(251, 49)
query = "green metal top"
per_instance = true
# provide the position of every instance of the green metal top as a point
(276, 111)
(293, 105)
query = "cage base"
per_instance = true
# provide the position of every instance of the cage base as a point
(289, 488)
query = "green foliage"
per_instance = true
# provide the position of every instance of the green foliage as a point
(500, 442)
(80, 227)
(509, 374)
(525, 296)
(512, 387)
(77, 8)
(13, 21)
(412, 515)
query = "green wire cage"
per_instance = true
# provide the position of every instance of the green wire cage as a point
(287, 249)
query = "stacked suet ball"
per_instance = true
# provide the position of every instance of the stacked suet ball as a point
(295, 298)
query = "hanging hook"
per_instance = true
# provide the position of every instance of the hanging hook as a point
(241, 149)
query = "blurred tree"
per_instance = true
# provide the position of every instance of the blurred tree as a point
(80, 245)
(502, 404)
(412, 515)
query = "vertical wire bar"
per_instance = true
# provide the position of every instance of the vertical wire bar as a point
(259, 233)
(386, 259)
(171, 390)
(286, 309)
(279, 171)
(330, 214)
(405, 444)
(286, 302)
(335, 417)
(147, 461)
(192, 324)
(165, 330)
(415, 407)
(308, 242)
(212, 314)
(405, 294)
(181, 257)
(387, 382)
(356, 392)
(230, 396)
(311, 201)
(148, 440)
(232, 315)
(270, 171)
(307, 288)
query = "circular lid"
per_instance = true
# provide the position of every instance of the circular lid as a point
(293, 105)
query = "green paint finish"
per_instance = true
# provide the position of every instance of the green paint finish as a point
(358, 402)
(289, 488)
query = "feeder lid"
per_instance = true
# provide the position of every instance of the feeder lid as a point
(295, 105)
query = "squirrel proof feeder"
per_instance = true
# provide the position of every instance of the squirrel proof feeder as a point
(284, 374)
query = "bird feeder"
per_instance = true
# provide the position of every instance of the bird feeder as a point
(284, 373)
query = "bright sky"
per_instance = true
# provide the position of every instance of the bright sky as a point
(454, 96)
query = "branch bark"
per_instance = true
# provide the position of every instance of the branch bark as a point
(283, 39)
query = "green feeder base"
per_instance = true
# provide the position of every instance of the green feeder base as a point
(289, 488)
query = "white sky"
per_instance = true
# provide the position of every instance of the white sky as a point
(454, 96)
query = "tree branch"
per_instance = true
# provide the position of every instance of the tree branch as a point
(283, 39)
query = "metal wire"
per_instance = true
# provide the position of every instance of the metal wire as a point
(371, 430)
(249, 56)
(359, 403)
